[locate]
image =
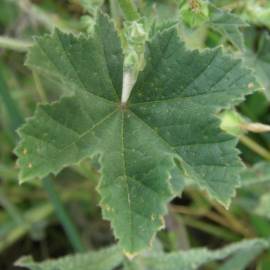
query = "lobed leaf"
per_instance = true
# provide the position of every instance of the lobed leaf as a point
(255, 175)
(166, 133)
(106, 259)
(229, 25)
(260, 61)
(238, 256)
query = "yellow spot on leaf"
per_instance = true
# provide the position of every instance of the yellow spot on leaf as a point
(130, 256)
(250, 85)
(30, 165)
(25, 151)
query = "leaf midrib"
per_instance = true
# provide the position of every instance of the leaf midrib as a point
(83, 86)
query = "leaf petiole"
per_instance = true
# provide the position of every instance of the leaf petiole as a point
(14, 44)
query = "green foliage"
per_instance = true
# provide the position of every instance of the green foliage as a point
(193, 13)
(257, 179)
(260, 173)
(8, 12)
(106, 259)
(258, 12)
(91, 6)
(129, 10)
(141, 142)
(228, 25)
(241, 255)
(231, 122)
(260, 60)
(151, 122)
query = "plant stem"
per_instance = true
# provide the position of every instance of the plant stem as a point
(11, 107)
(114, 8)
(210, 229)
(11, 209)
(224, 220)
(236, 224)
(129, 10)
(254, 146)
(17, 120)
(32, 216)
(14, 44)
(69, 228)
(46, 19)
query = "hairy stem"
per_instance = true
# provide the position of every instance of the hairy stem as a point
(39, 15)
(210, 229)
(14, 44)
(254, 146)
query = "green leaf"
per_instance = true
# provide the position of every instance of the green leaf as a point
(241, 259)
(195, 258)
(91, 6)
(260, 61)
(129, 10)
(109, 258)
(167, 126)
(228, 25)
(263, 207)
(257, 174)
(8, 12)
(258, 13)
(106, 259)
(193, 13)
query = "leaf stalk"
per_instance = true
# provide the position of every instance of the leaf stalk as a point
(254, 146)
(14, 44)
(63, 216)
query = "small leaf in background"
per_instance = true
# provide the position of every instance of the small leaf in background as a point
(228, 25)
(258, 12)
(106, 259)
(242, 254)
(263, 207)
(91, 6)
(193, 12)
(260, 60)
(8, 12)
(259, 173)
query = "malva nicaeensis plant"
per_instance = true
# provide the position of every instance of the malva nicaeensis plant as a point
(148, 144)
(151, 136)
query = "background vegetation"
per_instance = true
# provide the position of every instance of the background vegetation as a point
(59, 216)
